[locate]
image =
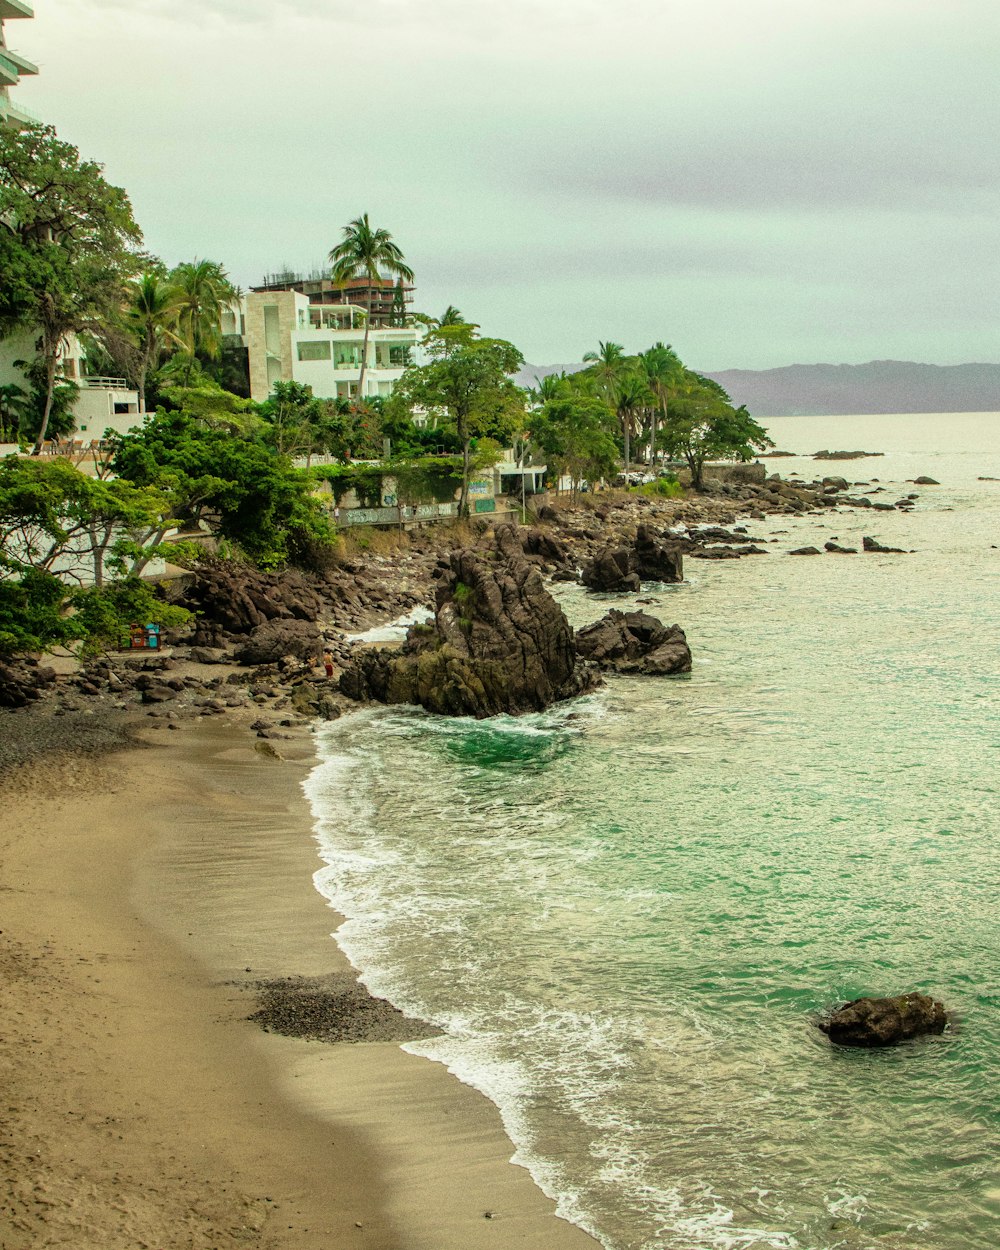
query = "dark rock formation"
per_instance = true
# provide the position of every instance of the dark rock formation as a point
(873, 544)
(884, 1021)
(620, 567)
(500, 642)
(273, 640)
(22, 681)
(655, 560)
(612, 569)
(925, 481)
(234, 598)
(806, 551)
(840, 551)
(635, 642)
(545, 546)
(845, 455)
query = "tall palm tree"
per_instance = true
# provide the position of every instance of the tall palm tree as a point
(663, 370)
(364, 252)
(151, 315)
(611, 366)
(202, 290)
(631, 396)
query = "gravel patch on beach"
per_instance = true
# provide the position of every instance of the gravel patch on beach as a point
(34, 735)
(334, 1008)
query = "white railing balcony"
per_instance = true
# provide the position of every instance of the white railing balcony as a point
(105, 384)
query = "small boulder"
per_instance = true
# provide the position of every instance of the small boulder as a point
(873, 544)
(806, 551)
(611, 569)
(656, 561)
(884, 1021)
(925, 481)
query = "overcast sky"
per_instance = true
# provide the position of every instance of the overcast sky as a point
(757, 182)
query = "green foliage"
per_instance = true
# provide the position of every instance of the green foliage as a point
(32, 410)
(663, 488)
(427, 479)
(574, 433)
(67, 246)
(248, 492)
(469, 379)
(103, 615)
(33, 613)
(56, 519)
(703, 425)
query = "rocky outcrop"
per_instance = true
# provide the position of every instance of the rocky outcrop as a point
(545, 547)
(499, 643)
(655, 560)
(273, 640)
(612, 569)
(231, 597)
(624, 567)
(635, 642)
(884, 1021)
(22, 681)
(873, 544)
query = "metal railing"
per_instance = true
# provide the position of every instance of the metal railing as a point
(105, 384)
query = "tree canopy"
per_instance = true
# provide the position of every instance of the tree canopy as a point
(68, 246)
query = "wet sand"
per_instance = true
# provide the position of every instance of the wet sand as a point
(144, 897)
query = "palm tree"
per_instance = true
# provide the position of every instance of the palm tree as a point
(151, 315)
(611, 368)
(631, 396)
(202, 290)
(451, 317)
(363, 253)
(663, 369)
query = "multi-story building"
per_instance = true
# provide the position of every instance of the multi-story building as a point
(312, 331)
(13, 66)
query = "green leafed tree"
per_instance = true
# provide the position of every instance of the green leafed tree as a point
(68, 245)
(573, 432)
(366, 252)
(703, 425)
(469, 379)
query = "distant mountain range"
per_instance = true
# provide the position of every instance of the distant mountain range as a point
(829, 390)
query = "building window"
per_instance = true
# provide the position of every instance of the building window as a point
(314, 351)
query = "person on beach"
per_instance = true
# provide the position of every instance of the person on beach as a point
(328, 663)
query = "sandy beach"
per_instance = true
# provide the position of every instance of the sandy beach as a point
(146, 893)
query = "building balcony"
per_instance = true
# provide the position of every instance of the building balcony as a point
(15, 114)
(24, 66)
(15, 8)
(8, 70)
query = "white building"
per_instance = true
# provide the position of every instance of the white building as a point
(13, 66)
(313, 332)
(102, 403)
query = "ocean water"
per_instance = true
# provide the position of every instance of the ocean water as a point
(627, 912)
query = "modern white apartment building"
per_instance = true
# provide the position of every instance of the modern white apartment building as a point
(313, 332)
(102, 403)
(13, 66)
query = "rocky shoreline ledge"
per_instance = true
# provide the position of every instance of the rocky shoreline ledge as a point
(257, 637)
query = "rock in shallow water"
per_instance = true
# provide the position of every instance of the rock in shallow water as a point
(635, 642)
(500, 642)
(884, 1021)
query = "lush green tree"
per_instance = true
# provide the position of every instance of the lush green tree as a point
(60, 401)
(152, 313)
(201, 290)
(573, 433)
(299, 424)
(364, 253)
(103, 614)
(662, 369)
(703, 425)
(237, 486)
(612, 373)
(55, 519)
(33, 613)
(469, 378)
(67, 244)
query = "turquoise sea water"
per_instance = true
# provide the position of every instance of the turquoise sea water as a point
(627, 912)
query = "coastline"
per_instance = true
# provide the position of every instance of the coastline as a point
(147, 892)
